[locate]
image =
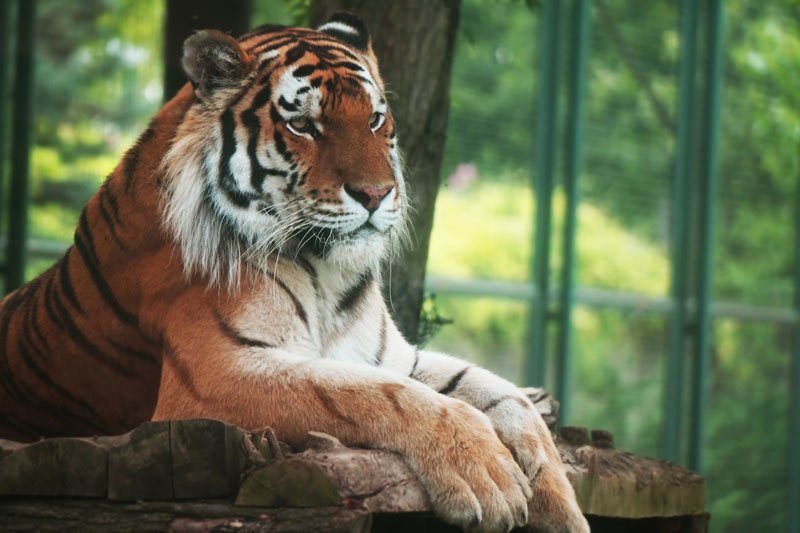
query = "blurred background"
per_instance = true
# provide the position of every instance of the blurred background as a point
(650, 282)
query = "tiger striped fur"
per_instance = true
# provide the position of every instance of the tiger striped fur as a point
(229, 268)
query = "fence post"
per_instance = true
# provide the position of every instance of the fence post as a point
(681, 236)
(708, 194)
(793, 489)
(546, 127)
(578, 59)
(22, 137)
(6, 30)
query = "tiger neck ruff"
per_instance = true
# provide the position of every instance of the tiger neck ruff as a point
(229, 268)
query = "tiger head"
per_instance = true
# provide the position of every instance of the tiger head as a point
(288, 147)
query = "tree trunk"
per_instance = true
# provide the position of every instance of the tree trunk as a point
(184, 17)
(414, 41)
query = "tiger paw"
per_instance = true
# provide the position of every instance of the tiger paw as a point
(553, 507)
(470, 476)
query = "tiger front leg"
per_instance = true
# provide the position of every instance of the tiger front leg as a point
(519, 426)
(470, 475)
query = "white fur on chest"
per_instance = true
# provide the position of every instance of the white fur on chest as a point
(270, 313)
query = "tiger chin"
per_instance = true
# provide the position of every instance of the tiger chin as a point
(229, 268)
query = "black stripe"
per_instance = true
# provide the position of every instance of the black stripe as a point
(252, 123)
(381, 341)
(293, 55)
(10, 305)
(51, 384)
(362, 78)
(105, 192)
(17, 390)
(89, 348)
(280, 145)
(146, 357)
(35, 323)
(348, 65)
(237, 337)
(267, 207)
(355, 294)
(225, 179)
(293, 178)
(350, 38)
(288, 106)
(416, 362)
(66, 283)
(102, 285)
(48, 304)
(25, 427)
(305, 70)
(131, 160)
(272, 43)
(109, 221)
(331, 50)
(454, 381)
(330, 404)
(275, 116)
(309, 268)
(39, 349)
(301, 312)
(183, 372)
(497, 401)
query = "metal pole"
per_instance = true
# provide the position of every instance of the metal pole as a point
(708, 196)
(681, 236)
(22, 137)
(793, 489)
(579, 54)
(6, 29)
(536, 368)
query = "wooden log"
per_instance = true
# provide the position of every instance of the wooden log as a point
(62, 515)
(208, 458)
(618, 484)
(140, 464)
(55, 467)
(288, 483)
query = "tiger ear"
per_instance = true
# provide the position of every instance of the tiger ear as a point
(212, 59)
(348, 28)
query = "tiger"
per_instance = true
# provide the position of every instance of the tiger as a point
(229, 268)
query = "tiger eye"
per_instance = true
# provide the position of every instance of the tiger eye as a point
(299, 124)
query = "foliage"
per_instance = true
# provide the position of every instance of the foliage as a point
(430, 321)
(98, 80)
(628, 168)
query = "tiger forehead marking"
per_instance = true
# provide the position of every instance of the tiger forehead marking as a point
(289, 147)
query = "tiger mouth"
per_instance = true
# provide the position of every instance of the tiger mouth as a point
(320, 239)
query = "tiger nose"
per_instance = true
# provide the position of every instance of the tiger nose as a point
(369, 196)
